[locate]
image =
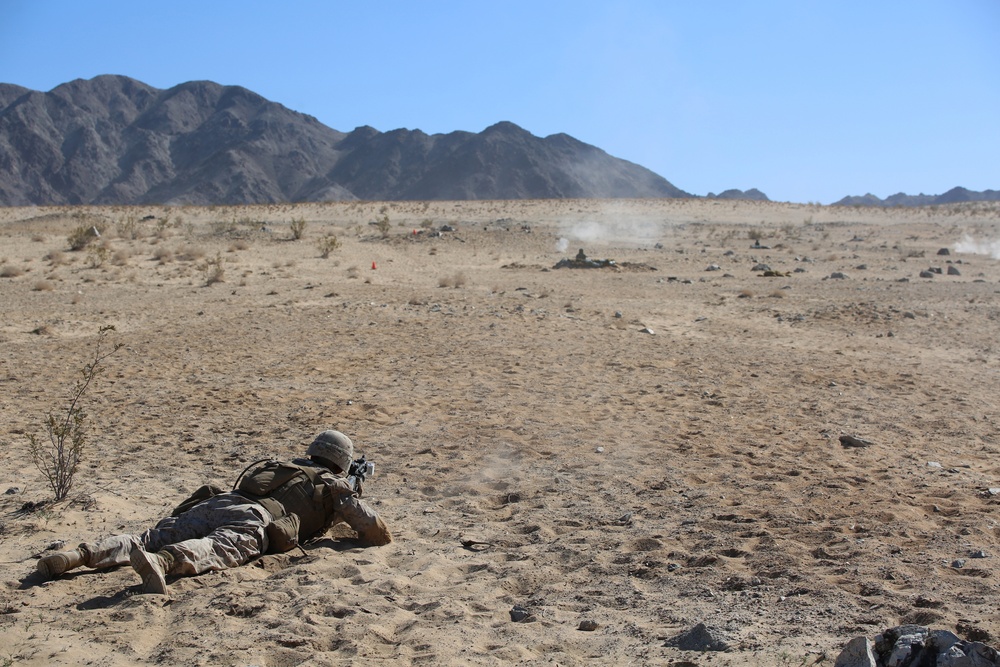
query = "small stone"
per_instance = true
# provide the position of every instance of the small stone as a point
(854, 441)
(599, 450)
(13, 491)
(519, 614)
(588, 625)
(857, 653)
(647, 330)
(58, 545)
(861, 267)
(761, 267)
(953, 270)
(700, 638)
(944, 251)
(926, 274)
(838, 275)
(934, 464)
(979, 554)
(618, 315)
(958, 563)
(993, 490)
(713, 267)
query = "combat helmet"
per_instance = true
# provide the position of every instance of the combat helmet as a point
(332, 449)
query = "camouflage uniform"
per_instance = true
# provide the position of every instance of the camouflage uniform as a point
(224, 531)
(229, 529)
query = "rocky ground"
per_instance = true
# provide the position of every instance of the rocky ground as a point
(580, 464)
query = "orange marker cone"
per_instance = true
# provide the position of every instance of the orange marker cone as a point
(373, 266)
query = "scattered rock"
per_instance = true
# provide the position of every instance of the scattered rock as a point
(979, 554)
(913, 645)
(13, 490)
(713, 267)
(588, 625)
(854, 441)
(944, 251)
(857, 653)
(953, 270)
(647, 330)
(618, 315)
(760, 267)
(861, 267)
(926, 274)
(520, 614)
(935, 269)
(837, 275)
(700, 638)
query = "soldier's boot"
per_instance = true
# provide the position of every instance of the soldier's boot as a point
(153, 568)
(59, 563)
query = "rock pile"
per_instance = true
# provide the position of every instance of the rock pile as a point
(916, 646)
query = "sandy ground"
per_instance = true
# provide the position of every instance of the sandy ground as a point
(644, 447)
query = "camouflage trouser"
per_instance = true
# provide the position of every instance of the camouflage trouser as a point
(222, 532)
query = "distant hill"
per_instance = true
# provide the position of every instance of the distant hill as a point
(953, 196)
(752, 194)
(115, 140)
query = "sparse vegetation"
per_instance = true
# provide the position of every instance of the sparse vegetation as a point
(8, 271)
(383, 226)
(83, 235)
(298, 228)
(327, 245)
(214, 271)
(59, 456)
(43, 286)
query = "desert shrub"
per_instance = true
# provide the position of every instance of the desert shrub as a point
(83, 235)
(163, 255)
(239, 245)
(327, 245)
(97, 255)
(128, 228)
(8, 271)
(189, 253)
(214, 271)
(56, 257)
(353, 272)
(59, 456)
(298, 228)
(43, 286)
(383, 226)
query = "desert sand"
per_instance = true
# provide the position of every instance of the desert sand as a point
(622, 452)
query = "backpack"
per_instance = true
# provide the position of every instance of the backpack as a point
(286, 489)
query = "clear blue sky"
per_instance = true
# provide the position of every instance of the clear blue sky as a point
(807, 101)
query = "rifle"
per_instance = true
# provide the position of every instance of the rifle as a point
(359, 471)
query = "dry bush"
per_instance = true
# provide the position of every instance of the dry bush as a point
(190, 253)
(745, 294)
(38, 238)
(777, 294)
(353, 272)
(214, 271)
(43, 286)
(8, 271)
(327, 245)
(163, 255)
(238, 245)
(56, 257)
(120, 257)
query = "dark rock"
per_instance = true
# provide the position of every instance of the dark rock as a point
(944, 251)
(520, 614)
(588, 625)
(926, 274)
(700, 638)
(854, 441)
(953, 270)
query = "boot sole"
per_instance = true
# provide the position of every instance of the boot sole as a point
(147, 567)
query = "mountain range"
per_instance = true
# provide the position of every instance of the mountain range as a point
(115, 140)
(953, 196)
